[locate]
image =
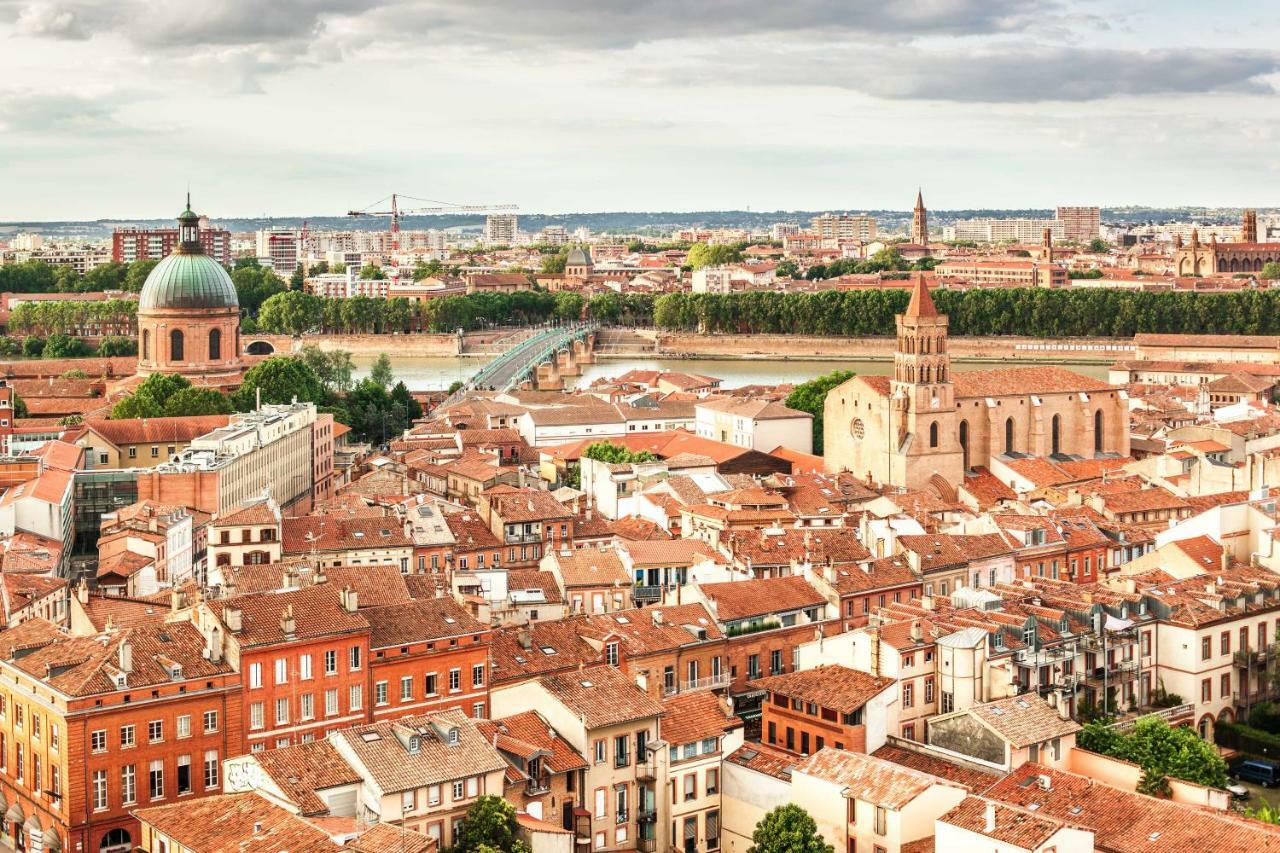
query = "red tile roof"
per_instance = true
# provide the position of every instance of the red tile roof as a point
(833, 686)
(735, 600)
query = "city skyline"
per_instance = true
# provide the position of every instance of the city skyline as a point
(308, 108)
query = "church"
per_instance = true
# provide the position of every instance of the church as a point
(925, 427)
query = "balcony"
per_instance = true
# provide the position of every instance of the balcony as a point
(1052, 654)
(646, 845)
(521, 538)
(622, 816)
(646, 771)
(1259, 658)
(646, 594)
(539, 786)
(648, 814)
(711, 682)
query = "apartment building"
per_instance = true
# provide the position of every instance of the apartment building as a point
(142, 442)
(501, 229)
(762, 425)
(337, 540)
(698, 730)
(164, 534)
(154, 244)
(248, 535)
(92, 727)
(805, 710)
(1079, 224)
(529, 523)
(1002, 273)
(844, 226)
(1004, 230)
(591, 581)
(544, 778)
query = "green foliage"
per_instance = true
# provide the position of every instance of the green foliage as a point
(1097, 244)
(247, 262)
(702, 255)
(280, 379)
(137, 275)
(375, 415)
(70, 420)
(27, 277)
(117, 345)
(74, 373)
(489, 825)
(1160, 750)
(1265, 716)
(787, 269)
(332, 367)
(627, 309)
(788, 829)
(163, 395)
(65, 346)
(569, 305)
(613, 454)
(255, 285)
(1247, 739)
(555, 263)
(1270, 271)
(298, 279)
(1154, 784)
(19, 407)
(372, 272)
(61, 316)
(1266, 813)
(1036, 312)
(426, 269)
(381, 371)
(455, 386)
(32, 346)
(811, 397)
(298, 313)
(10, 346)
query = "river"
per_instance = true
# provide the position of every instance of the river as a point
(432, 373)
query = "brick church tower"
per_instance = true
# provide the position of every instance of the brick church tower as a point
(920, 222)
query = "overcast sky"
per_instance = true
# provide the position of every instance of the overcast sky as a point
(293, 107)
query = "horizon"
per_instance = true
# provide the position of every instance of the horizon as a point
(565, 107)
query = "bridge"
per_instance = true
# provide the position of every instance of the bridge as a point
(541, 361)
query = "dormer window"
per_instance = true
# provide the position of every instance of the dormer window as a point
(453, 737)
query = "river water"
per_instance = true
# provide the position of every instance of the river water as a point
(432, 373)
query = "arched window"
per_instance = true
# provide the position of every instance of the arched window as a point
(964, 443)
(215, 344)
(1008, 435)
(1056, 435)
(933, 434)
(146, 344)
(175, 345)
(1097, 431)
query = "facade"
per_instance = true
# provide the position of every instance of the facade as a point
(152, 244)
(807, 710)
(1079, 224)
(762, 425)
(1002, 273)
(501, 229)
(279, 248)
(1004, 230)
(845, 226)
(189, 314)
(1200, 259)
(699, 731)
(926, 428)
(246, 536)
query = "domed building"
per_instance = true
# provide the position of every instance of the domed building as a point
(189, 315)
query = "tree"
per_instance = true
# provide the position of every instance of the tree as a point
(381, 371)
(787, 269)
(298, 278)
(19, 407)
(569, 305)
(64, 346)
(32, 346)
(117, 345)
(788, 829)
(1270, 271)
(811, 397)
(1160, 750)
(614, 454)
(280, 379)
(168, 395)
(1097, 244)
(490, 824)
(401, 397)
(455, 386)
(555, 263)
(372, 272)
(333, 367)
(255, 285)
(291, 313)
(702, 255)
(137, 275)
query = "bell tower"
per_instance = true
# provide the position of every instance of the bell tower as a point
(923, 404)
(920, 222)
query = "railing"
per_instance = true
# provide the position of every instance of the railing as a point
(711, 682)
(647, 593)
(620, 761)
(646, 845)
(646, 770)
(539, 786)
(647, 815)
(521, 538)
(1042, 656)
(1254, 657)
(1176, 712)
(622, 816)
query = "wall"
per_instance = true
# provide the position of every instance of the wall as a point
(747, 796)
(964, 734)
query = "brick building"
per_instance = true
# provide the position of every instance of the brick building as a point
(828, 705)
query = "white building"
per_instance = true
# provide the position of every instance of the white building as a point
(762, 425)
(1004, 230)
(501, 229)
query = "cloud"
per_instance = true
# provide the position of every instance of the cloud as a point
(49, 21)
(24, 111)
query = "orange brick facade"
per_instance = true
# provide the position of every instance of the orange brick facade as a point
(807, 729)
(418, 678)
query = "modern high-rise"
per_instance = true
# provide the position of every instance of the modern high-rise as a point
(1079, 224)
(845, 226)
(143, 244)
(1004, 230)
(500, 229)
(279, 249)
(554, 235)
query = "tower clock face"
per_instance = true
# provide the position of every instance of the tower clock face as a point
(934, 403)
(857, 429)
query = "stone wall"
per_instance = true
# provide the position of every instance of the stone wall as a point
(967, 736)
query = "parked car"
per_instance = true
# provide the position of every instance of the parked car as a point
(1237, 791)
(1264, 773)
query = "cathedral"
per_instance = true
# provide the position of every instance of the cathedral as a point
(925, 427)
(1247, 255)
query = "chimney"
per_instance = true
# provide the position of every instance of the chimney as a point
(989, 822)
(175, 600)
(349, 599)
(213, 646)
(318, 576)
(126, 656)
(657, 616)
(232, 617)
(916, 634)
(288, 626)
(926, 602)
(1226, 559)
(82, 591)
(525, 639)
(1045, 782)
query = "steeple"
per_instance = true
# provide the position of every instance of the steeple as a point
(921, 302)
(920, 221)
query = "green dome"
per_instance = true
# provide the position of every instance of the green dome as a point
(188, 281)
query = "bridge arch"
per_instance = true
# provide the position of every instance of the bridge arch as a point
(260, 348)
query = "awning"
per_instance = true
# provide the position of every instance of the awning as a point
(52, 842)
(1115, 624)
(15, 813)
(33, 824)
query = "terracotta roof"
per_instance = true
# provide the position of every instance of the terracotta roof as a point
(375, 586)
(469, 532)
(521, 579)
(759, 410)
(1017, 827)
(667, 552)
(601, 696)
(974, 780)
(245, 822)
(592, 568)
(522, 652)
(942, 549)
(874, 780)
(418, 621)
(317, 612)
(156, 430)
(652, 630)
(832, 686)
(765, 759)
(638, 530)
(301, 770)
(691, 717)
(987, 489)
(258, 511)
(1024, 720)
(124, 564)
(1021, 381)
(530, 728)
(529, 505)
(736, 600)
(340, 533)
(392, 767)
(386, 838)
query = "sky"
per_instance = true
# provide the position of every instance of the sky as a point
(315, 107)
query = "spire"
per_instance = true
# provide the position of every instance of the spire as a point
(920, 221)
(921, 302)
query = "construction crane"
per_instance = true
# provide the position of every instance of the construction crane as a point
(395, 212)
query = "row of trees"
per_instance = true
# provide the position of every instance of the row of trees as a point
(65, 346)
(376, 408)
(41, 277)
(1035, 312)
(62, 316)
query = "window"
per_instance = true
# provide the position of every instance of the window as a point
(155, 780)
(380, 693)
(881, 820)
(455, 680)
(20, 762)
(611, 653)
(433, 795)
(282, 671)
(255, 675)
(429, 684)
(304, 667)
(473, 786)
(477, 675)
(331, 702)
(176, 345)
(1206, 648)
(210, 722)
(406, 801)
(215, 344)
(713, 829)
(98, 741)
(620, 804)
(99, 790)
(1206, 690)
(406, 688)
(282, 711)
(54, 741)
(1225, 642)
(753, 666)
(331, 662)
(599, 750)
(457, 791)
(775, 661)
(477, 710)
(307, 706)
(713, 781)
(184, 774)
(211, 768)
(129, 784)
(355, 658)
(1224, 690)
(948, 703)
(908, 695)
(256, 716)
(37, 775)
(355, 697)
(928, 690)
(184, 725)
(155, 731)
(622, 751)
